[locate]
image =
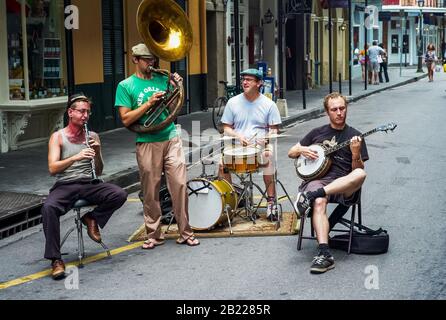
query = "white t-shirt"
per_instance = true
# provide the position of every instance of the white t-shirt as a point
(249, 118)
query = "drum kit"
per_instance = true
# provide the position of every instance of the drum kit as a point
(212, 200)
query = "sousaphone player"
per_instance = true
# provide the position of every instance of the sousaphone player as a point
(147, 93)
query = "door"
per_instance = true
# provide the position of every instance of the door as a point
(244, 30)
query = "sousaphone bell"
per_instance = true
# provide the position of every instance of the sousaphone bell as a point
(167, 32)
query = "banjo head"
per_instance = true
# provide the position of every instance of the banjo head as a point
(307, 168)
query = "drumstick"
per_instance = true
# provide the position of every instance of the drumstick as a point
(255, 135)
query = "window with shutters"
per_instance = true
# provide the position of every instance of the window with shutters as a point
(112, 22)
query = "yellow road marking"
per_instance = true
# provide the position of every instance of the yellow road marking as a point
(281, 199)
(87, 260)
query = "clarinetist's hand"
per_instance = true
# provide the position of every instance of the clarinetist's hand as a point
(95, 145)
(87, 153)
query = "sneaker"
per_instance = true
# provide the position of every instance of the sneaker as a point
(322, 264)
(271, 212)
(302, 204)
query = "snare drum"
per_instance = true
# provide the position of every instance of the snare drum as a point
(207, 202)
(242, 159)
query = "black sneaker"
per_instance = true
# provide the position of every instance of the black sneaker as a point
(322, 264)
(302, 204)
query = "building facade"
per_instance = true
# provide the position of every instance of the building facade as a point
(411, 25)
(33, 50)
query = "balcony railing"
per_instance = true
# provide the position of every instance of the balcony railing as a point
(414, 3)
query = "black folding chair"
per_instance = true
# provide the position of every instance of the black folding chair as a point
(335, 217)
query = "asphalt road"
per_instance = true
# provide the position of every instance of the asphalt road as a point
(403, 193)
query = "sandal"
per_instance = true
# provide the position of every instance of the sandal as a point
(191, 241)
(151, 244)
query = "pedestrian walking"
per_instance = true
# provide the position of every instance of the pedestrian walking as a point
(382, 59)
(430, 57)
(373, 52)
(362, 60)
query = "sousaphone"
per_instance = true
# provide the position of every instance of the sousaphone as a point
(167, 32)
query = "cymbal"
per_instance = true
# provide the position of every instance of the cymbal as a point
(225, 138)
(275, 136)
(271, 136)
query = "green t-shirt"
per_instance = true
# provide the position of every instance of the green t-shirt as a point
(133, 92)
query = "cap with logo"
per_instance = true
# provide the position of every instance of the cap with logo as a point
(141, 50)
(253, 72)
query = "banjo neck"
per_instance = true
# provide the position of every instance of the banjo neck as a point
(346, 143)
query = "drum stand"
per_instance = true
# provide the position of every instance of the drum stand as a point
(278, 182)
(248, 196)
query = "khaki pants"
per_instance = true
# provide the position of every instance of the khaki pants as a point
(154, 158)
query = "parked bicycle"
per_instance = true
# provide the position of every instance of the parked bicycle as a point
(220, 103)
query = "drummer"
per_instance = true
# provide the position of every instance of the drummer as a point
(250, 117)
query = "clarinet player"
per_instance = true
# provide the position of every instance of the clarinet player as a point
(75, 159)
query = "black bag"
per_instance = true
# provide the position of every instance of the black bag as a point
(364, 241)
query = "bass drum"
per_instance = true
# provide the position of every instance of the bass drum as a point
(208, 200)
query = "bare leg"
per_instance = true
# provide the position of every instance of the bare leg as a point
(270, 187)
(320, 220)
(348, 184)
(268, 173)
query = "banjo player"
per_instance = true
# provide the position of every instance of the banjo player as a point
(340, 184)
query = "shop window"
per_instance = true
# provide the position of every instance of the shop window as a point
(44, 45)
(15, 51)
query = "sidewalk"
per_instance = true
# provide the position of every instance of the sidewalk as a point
(25, 171)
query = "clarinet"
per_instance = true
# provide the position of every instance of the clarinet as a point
(94, 178)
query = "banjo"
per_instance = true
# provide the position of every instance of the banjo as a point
(308, 169)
